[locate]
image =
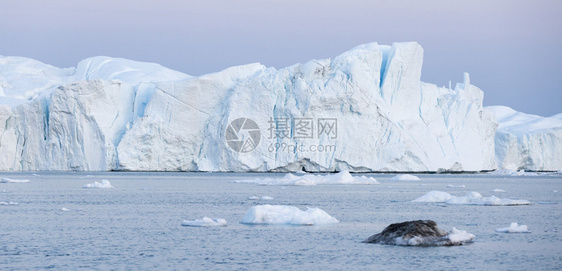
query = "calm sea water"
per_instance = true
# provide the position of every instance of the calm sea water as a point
(137, 225)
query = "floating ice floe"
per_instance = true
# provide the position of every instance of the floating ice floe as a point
(497, 190)
(103, 184)
(471, 198)
(260, 198)
(405, 177)
(343, 177)
(420, 233)
(456, 186)
(205, 222)
(514, 228)
(8, 180)
(8, 203)
(287, 215)
(65, 209)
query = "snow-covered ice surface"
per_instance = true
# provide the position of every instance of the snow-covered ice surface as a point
(287, 215)
(205, 222)
(514, 228)
(135, 229)
(470, 198)
(405, 177)
(102, 184)
(343, 177)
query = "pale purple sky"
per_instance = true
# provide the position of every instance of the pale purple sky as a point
(511, 48)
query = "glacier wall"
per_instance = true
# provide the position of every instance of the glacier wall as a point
(365, 110)
(527, 142)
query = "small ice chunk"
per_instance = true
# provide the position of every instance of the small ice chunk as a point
(459, 237)
(205, 222)
(8, 203)
(514, 228)
(405, 177)
(497, 190)
(288, 215)
(266, 198)
(9, 180)
(65, 209)
(254, 198)
(103, 184)
(456, 186)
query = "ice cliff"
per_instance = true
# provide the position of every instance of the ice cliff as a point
(527, 142)
(365, 110)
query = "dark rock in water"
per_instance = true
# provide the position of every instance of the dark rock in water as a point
(419, 233)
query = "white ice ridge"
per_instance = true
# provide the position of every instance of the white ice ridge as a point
(471, 198)
(343, 177)
(527, 142)
(405, 177)
(514, 228)
(102, 184)
(205, 222)
(9, 180)
(287, 215)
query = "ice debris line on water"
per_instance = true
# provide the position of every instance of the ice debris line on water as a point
(471, 198)
(405, 177)
(9, 180)
(117, 114)
(343, 177)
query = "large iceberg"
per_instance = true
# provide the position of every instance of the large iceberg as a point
(365, 110)
(527, 142)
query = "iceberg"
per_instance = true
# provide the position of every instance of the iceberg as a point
(365, 110)
(527, 142)
(287, 215)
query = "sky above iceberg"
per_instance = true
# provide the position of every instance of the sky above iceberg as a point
(511, 48)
